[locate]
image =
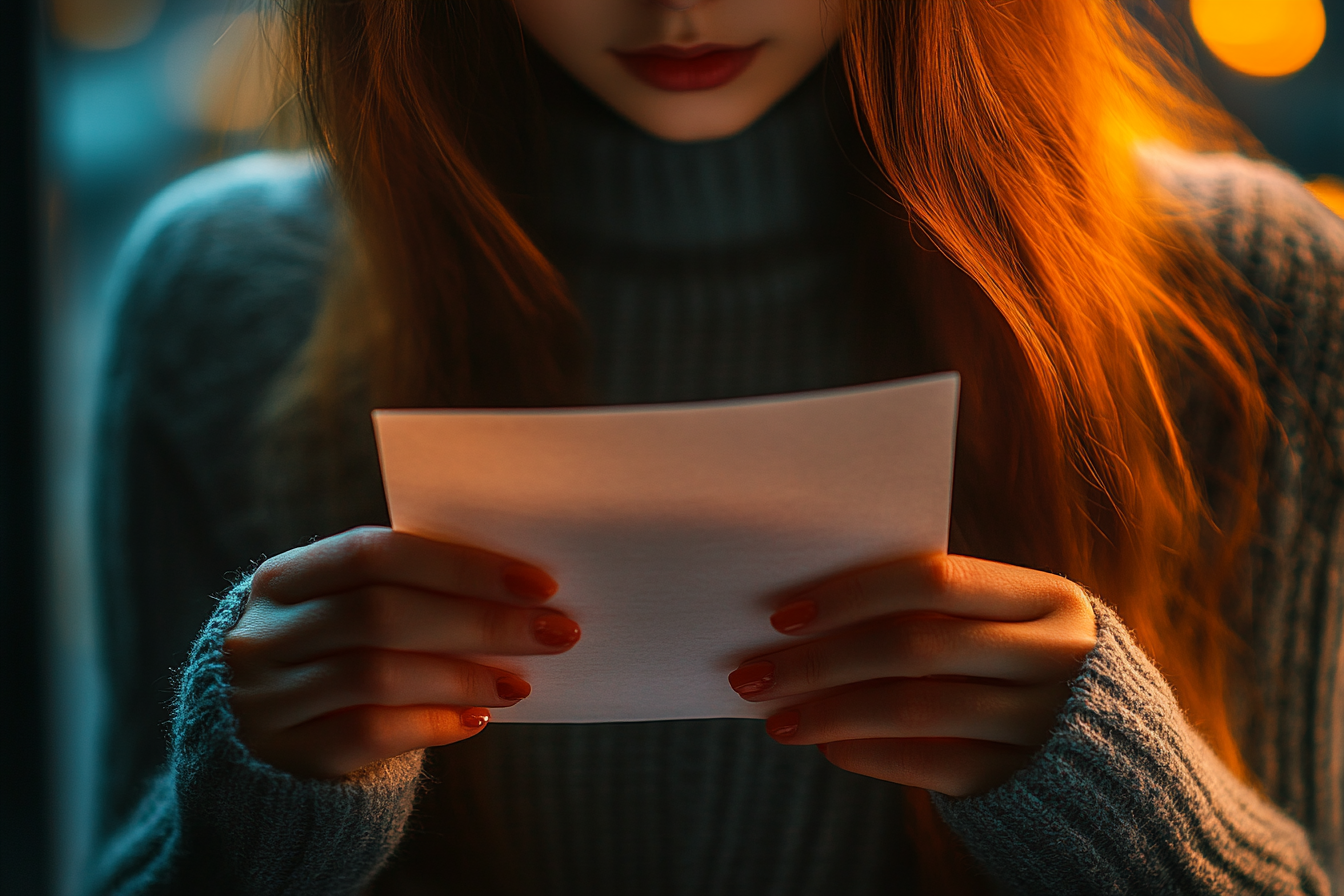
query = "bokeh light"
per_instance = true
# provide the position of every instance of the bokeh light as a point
(225, 73)
(1330, 191)
(104, 24)
(1266, 38)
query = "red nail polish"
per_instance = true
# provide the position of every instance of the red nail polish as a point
(511, 687)
(555, 631)
(753, 678)
(528, 582)
(794, 616)
(782, 725)
(475, 718)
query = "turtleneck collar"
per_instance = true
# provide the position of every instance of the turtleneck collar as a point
(714, 269)
(615, 186)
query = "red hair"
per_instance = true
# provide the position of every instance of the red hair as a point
(1080, 308)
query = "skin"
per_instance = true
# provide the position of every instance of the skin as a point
(349, 650)
(581, 34)
(950, 670)
(941, 672)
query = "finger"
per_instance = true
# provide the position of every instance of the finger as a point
(375, 555)
(336, 745)
(957, 768)
(370, 678)
(921, 707)
(393, 617)
(916, 647)
(952, 585)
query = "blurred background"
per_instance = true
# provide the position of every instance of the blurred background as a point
(132, 95)
(135, 93)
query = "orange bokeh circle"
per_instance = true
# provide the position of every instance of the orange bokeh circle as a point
(1267, 38)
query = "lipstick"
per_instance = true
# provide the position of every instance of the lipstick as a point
(701, 67)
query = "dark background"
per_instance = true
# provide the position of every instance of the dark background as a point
(94, 123)
(24, 816)
(1299, 118)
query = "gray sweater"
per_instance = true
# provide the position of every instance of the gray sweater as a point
(218, 285)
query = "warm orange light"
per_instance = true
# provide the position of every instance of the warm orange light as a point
(1330, 191)
(104, 24)
(224, 73)
(1267, 38)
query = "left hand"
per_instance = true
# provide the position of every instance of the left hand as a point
(940, 672)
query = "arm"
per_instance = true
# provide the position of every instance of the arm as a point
(213, 292)
(303, 712)
(1125, 797)
(217, 820)
(1120, 794)
(1058, 751)
(1290, 249)
(300, 716)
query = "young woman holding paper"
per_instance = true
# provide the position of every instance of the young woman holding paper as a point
(1124, 676)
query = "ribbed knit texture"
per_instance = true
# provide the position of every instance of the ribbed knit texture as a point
(1123, 799)
(217, 804)
(706, 270)
(1095, 798)
(1292, 250)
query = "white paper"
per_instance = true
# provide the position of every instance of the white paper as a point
(673, 529)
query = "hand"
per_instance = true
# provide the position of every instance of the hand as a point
(348, 649)
(940, 672)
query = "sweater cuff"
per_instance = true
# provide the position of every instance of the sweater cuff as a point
(248, 827)
(1126, 797)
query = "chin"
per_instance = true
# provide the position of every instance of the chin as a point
(694, 116)
(689, 122)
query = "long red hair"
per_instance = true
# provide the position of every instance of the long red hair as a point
(1083, 312)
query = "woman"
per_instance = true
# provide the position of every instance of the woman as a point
(551, 202)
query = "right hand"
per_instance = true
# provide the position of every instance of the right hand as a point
(348, 649)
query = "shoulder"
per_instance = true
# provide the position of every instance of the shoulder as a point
(258, 216)
(279, 185)
(220, 275)
(215, 290)
(1262, 219)
(1289, 248)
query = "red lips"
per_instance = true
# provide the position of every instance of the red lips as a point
(701, 67)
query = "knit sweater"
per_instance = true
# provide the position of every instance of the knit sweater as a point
(218, 286)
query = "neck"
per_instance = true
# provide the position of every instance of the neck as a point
(615, 185)
(704, 270)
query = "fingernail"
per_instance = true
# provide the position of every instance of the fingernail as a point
(784, 724)
(555, 631)
(511, 687)
(794, 616)
(475, 718)
(528, 582)
(753, 678)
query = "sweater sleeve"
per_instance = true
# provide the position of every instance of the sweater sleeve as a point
(218, 820)
(214, 290)
(1126, 797)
